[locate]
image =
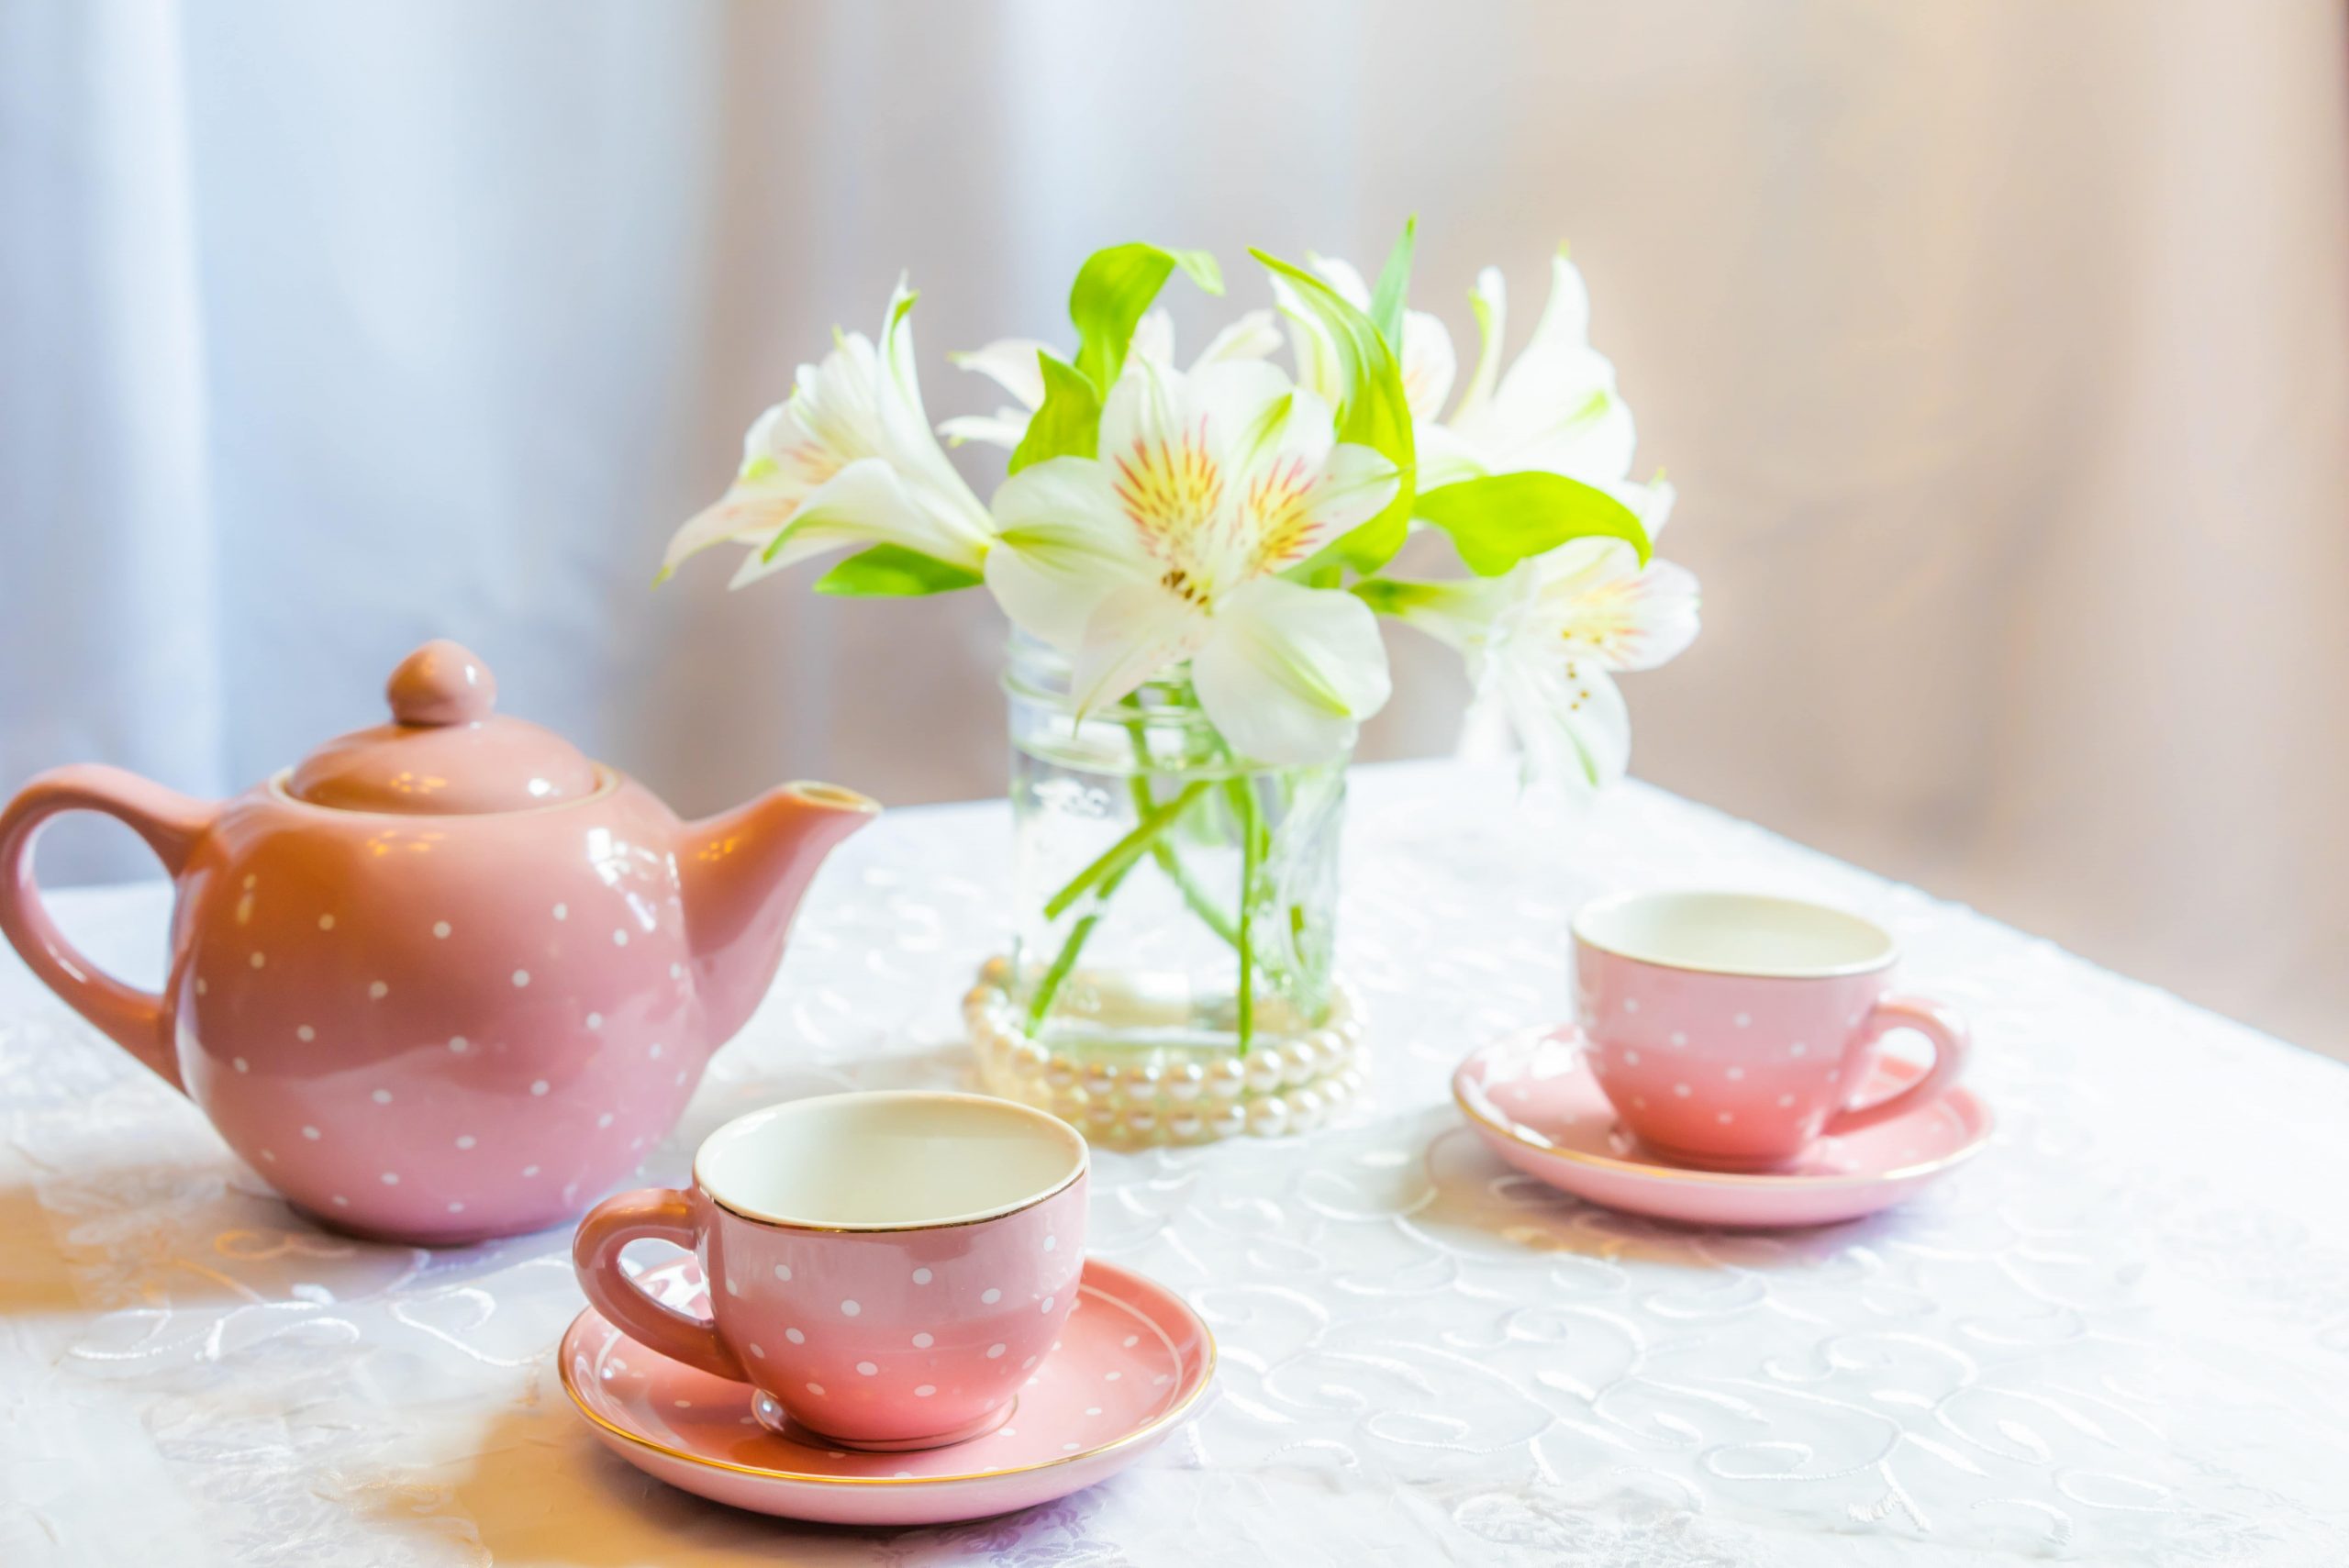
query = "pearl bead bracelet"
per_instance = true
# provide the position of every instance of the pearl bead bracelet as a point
(1137, 1095)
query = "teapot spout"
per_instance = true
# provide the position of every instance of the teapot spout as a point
(743, 872)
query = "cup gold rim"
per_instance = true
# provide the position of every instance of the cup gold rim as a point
(1082, 1167)
(807, 1228)
(1890, 961)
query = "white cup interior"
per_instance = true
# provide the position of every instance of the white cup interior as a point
(888, 1159)
(1735, 933)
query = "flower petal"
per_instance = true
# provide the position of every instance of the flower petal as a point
(1428, 364)
(1596, 600)
(782, 461)
(1135, 632)
(1343, 277)
(1148, 408)
(1005, 427)
(1168, 444)
(1290, 526)
(1566, 318)
(865, 502)
(1589, 433)
(837, 403)
(910, 446)
(1570, 720)
(1557, 408)
(1063, 545)
(775, 438)
(1010, 363)
(1308, 342)
(1462, 613)
(1443, 457)
(849, 459)
(1289, 672)
(1295, 489)
(1154, 337)
(1252, 336)
(750, 513)
(1154, 406)
(1651, 503)
(1489, 300)
(1236, 395)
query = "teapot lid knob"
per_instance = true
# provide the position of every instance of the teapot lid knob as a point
(441, 683)
(449, 755)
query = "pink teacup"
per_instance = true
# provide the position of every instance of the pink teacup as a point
(1730, 1029)
(889, 1266)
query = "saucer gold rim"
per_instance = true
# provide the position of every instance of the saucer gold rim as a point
(1173, 1414)
(1660, 1172)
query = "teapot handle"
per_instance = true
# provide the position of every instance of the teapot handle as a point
(168, 822)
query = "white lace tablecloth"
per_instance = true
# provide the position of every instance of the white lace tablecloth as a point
(2121, 1336)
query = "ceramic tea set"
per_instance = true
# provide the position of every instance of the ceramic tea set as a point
(446, 979)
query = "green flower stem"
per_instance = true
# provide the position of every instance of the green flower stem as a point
(1295, 952)
(1241, 792)
(1121, 855)
(1103, 877)
(1194, 896)
(1163, 853)
(1251, 859)
(1050, 986)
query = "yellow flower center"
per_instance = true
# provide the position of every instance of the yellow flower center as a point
(1172, 492)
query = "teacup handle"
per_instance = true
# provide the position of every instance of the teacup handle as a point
(659, 1214)
(1938, 1022)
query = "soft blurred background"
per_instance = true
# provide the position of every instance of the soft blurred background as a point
(1999, 352)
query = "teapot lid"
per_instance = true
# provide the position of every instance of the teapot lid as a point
(447, 752)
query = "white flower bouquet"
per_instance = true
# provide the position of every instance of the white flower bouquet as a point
(1212, 544)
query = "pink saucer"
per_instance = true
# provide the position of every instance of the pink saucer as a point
(1534, 1102)
(1131, 1363)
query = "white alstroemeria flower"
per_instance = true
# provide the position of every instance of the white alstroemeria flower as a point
(848, 460)
(1543, 640)
(1169, 546)
(1010, 363)
(1557, 409)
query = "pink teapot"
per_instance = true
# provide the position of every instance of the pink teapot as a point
(445, 979)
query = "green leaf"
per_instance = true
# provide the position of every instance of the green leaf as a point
(1393, 281)
(893, 572)
(1068, 423)
(1498, 521)
(1201, 268)
(1112, 290)
(1371, 411)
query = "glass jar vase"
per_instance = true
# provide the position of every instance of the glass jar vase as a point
(1173, 920)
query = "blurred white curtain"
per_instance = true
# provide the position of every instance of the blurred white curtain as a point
(1999, 352)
